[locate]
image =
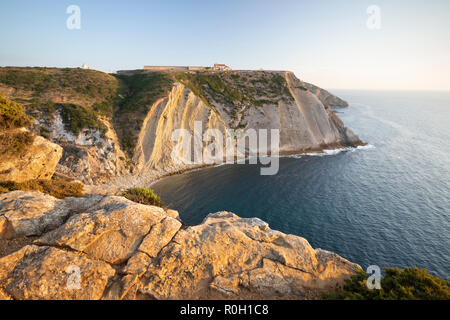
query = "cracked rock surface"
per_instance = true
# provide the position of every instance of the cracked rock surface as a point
(114, 248)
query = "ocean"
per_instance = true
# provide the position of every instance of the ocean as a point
(386, 204)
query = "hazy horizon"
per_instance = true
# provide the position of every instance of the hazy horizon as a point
(328, 44)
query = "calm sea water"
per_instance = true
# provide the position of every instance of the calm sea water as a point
(388, 204)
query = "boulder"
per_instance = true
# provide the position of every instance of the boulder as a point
(37, 162)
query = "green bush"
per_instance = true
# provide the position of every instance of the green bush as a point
(104, 108)
(398, 284)
(12, 116)
(143, 196)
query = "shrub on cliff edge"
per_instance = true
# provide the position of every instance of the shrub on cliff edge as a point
(398, 284)
(143, 196)
(13, 142)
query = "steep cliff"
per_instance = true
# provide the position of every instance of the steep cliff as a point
(240, 100)
(73, 108)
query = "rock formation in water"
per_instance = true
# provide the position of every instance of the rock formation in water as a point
(108, 247)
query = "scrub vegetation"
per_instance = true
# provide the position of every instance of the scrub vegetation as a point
(57, 187)
(143, 196)
(397, 284)
(138, 92)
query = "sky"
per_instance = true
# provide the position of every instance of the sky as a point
(327, 43)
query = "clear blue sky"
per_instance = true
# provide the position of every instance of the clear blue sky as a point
(324, 42)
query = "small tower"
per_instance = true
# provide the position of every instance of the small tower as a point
(84, 66)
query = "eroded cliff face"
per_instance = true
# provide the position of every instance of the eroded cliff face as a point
(91, 156)
(125, 250)
(304, 122)
(73, 108)
(178, 111)
(308, 124)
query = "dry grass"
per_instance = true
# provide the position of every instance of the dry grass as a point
(57, 187)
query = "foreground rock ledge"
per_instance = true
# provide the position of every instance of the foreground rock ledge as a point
(108, 247)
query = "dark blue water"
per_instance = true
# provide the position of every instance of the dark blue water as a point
(387, 205)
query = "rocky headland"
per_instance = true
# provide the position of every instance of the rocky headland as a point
(113, 132)
(115, 126)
